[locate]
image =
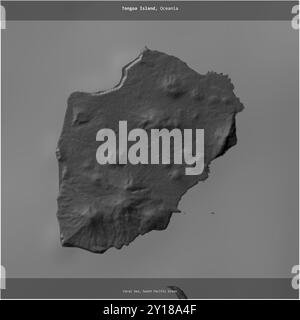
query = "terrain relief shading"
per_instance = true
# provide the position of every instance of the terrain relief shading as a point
(113, 188)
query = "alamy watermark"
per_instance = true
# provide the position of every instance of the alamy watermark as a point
(166, 147)
(296, 277)
(295, 20)
(2, 278)
(3, 17)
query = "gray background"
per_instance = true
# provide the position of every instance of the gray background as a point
(253, 189)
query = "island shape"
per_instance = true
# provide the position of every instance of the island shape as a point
(101, 206)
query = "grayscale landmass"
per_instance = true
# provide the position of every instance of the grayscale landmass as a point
(104, 206)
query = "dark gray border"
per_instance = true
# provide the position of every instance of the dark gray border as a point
(54, 288)
(188, 10)
(213, 288)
